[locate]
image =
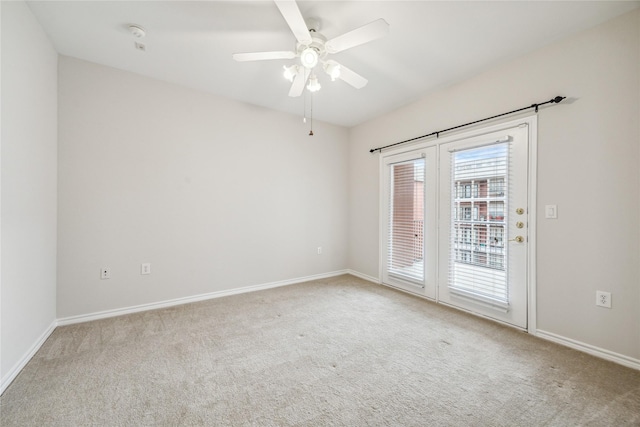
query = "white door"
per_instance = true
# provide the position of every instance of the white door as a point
(408, 211)
(483, 239)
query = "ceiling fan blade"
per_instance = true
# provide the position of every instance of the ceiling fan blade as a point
(291, 13)
(369, 32)
(261, 56)
(351, 77)
(298, 83)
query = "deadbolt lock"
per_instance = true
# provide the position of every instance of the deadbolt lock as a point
(519, 211)
(519, 224)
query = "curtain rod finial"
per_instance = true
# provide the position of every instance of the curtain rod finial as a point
(557, 99)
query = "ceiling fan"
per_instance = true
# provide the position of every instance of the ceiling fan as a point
(313, 48)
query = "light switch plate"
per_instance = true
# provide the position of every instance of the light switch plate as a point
(145, 268)
(551, 211)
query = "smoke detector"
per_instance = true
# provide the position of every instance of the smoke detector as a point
(137, 31)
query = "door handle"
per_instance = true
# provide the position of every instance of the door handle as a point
(518, 239)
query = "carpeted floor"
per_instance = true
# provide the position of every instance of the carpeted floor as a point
(338, 351)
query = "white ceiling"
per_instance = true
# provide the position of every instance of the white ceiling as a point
(430, 45)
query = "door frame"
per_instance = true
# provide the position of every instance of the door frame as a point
(531, 122)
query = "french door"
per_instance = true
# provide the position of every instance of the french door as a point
(483, 225)
(455, 223)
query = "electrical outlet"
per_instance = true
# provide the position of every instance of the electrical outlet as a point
(105, 273)
(603, 299)
(145, 268)
(319, 250)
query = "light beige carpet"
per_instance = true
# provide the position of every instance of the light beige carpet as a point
(339, 351)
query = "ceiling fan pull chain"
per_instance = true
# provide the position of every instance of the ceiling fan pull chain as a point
(304, 108)
(311, 124)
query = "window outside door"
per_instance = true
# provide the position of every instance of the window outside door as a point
(483, 252)
(409, 222)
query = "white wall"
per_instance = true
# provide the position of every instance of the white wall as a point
(28, 176)
(215, 194)
(588, 164)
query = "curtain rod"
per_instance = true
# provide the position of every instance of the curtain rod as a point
(555, 100)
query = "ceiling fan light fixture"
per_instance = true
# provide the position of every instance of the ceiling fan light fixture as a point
(309, 57)
(332, 69)
(313, 85)
(290, 72)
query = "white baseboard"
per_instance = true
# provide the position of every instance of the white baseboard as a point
(364, 276)
(195, 298)
(13, 373)
(590, 349)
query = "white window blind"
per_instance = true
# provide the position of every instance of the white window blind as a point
(406, 221)
(477, 255)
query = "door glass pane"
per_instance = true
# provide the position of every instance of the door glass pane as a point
(477, 266)
(406, 221)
